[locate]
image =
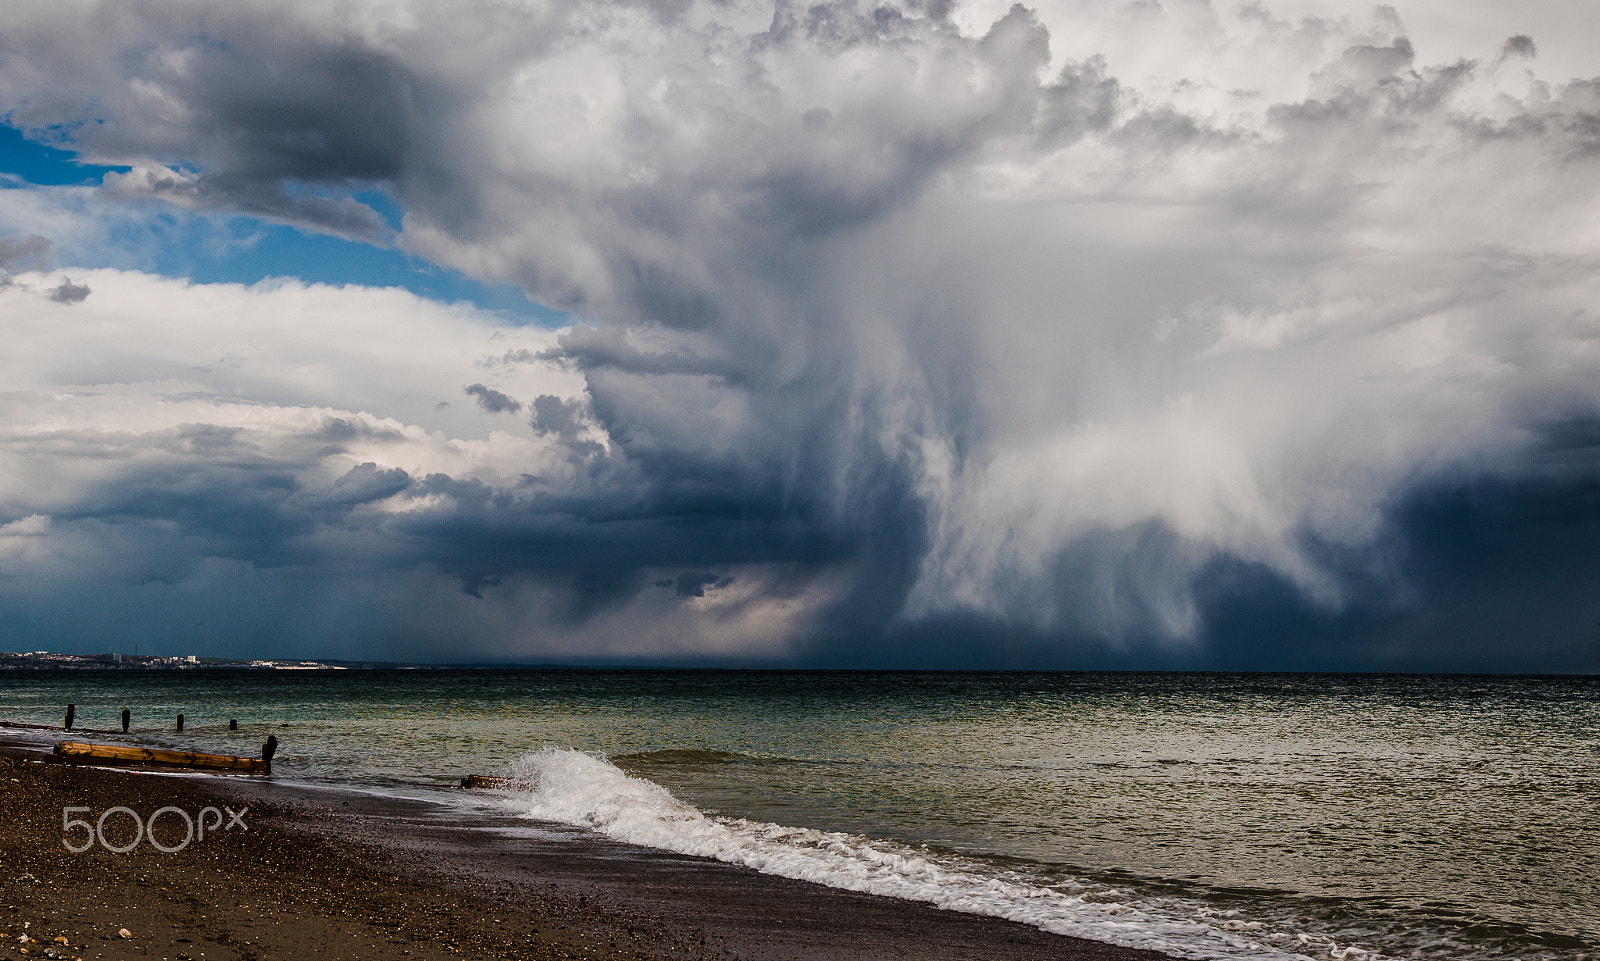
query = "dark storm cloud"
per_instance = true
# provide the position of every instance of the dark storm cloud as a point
(1366, 66)
(942, 345)
(28, 252)
(608, 524)
(274, 200)
(211, 492)
(224, 109)
(366, 483)
(1519, 46)
(201, 495)
(589, 348)
(1487, 575)
(552, 415)
(68, 292)
(493, 401)
(568, 421)
(1081, 100)
(33, 253)
(15, 254)
(695, 585)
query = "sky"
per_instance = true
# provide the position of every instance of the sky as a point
(1086, 334)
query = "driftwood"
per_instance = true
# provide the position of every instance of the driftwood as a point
(76, 753)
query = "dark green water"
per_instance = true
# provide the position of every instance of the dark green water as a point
(1205, 815)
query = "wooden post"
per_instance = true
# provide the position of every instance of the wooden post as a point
(180, 722)
(126, 717)
(72, 712)
(268, 749)
(233, 724)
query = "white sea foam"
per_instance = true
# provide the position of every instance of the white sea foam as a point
(576, 788)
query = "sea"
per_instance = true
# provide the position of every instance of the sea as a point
(1208, 816)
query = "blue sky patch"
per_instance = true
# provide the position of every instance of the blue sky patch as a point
(217, 248)
(46, 166)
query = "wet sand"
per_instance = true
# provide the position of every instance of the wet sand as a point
(340, 874)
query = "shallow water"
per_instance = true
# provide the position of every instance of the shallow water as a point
(1204, 815)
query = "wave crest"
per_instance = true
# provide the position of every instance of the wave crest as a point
(573, 787)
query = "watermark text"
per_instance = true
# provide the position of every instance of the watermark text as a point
(127, 829)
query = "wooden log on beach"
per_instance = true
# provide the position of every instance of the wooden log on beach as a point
(77, 753)
(486, 781)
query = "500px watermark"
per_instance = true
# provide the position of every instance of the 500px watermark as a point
(194, 828)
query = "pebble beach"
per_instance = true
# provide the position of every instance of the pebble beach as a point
(316, 874)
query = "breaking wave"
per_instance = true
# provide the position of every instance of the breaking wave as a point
(587, 790)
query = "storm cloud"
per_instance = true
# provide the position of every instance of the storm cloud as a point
(1085, 334)
(68, 292)
(492, 400)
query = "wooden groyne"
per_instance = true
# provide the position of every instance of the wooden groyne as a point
(72, 714)
(53, 727)
(124, 755)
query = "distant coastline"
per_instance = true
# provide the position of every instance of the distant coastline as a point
(48, 661)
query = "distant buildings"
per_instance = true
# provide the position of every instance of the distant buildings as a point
(47, 661)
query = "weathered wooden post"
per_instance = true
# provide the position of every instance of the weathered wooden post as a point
(268, 749)
(126, 717)
(180, 722)
(72, 712)
(233, 724)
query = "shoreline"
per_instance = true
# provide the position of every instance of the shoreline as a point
(330, 873)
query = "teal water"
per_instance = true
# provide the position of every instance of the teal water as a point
(1324, 816)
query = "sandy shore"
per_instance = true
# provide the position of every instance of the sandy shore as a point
(336, 874)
